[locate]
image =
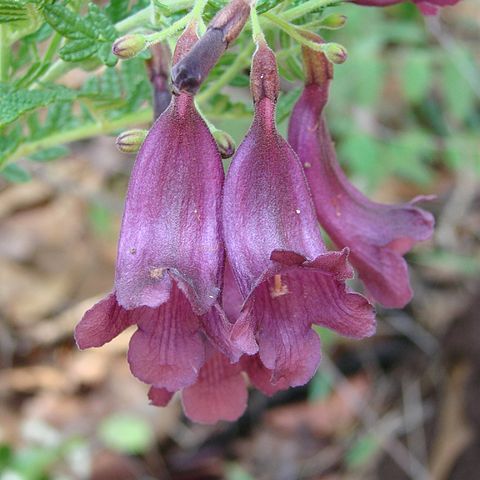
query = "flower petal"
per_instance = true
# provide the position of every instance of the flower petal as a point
(167, 350)
(220, 392)
(160, 397)
(377, 235)
(261, 377)
(103, 322)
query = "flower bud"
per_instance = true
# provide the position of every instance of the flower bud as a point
(131, 140)
(225, 143)
(334, 21)
(129, 45)
(335, 52)
(189, 73)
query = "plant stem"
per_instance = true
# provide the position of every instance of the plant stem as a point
(257, 32)
(166, 32)
(228, 75)
(304, 8)
(294, 32)
(88, 130)
(4, 53)
(197, 10)
(137, 19)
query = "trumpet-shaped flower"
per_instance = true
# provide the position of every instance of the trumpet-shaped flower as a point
(170, 252)
(287, 279)
(377, 235)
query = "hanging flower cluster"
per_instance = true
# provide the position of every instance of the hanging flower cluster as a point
(225, 277)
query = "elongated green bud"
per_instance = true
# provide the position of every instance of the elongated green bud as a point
(333, 21)
(131, 140)
(129, 45)
(335, 52)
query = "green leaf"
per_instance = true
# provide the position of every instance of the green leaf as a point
(12, 11)
(117, 10)
(363, 155)
(416, 76)
(78, 50)
(50, 154)
(126, 434)
(69, 24)
(106, 55)
(15, 174)
(101, 23)
(458, 93)
(16, 102)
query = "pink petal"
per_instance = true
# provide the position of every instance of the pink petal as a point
(103, 322)
(261, 377)
(220, 392)
(167, 350)
(160, 397)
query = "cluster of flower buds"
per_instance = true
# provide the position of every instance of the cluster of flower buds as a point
(225, 277)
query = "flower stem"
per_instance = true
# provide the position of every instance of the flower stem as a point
(167, 32)
(304, 8)
(293, 31)
(197, 11)
(88, 130)
(257, 32)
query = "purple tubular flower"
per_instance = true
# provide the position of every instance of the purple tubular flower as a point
(286, 277)
(171, 222)
(427, 7)
(170, 253)
(378, 235)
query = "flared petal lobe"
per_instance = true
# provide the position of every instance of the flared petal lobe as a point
(103, 322)
(171, 219)
(220, 392)
(168, 349)
(376, 234)
(286, 277)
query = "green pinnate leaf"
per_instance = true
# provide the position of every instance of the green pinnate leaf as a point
(67, 23)
(101, 23)
(16, 102)
(12, 11)
(50, 154)
(78, 50)
(117, 9)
